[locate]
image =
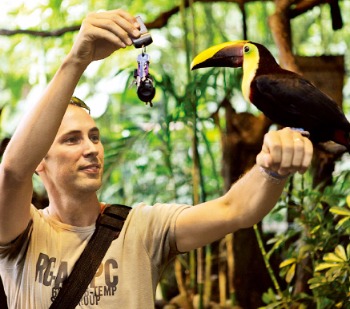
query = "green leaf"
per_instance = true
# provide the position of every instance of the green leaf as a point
(348, 200)
(290, 273)
(314, 286)
(317, 282)
(331, 257)
(340, 251)
(324, 266)
(288, 262)
(344, 223)
(317, 279)
(340, 211)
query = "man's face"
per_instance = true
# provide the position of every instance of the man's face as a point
(75, 159)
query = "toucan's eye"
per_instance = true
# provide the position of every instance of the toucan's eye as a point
(246, 49)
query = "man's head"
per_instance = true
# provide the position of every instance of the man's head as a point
(74, 163)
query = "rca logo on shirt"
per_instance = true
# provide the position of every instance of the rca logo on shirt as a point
(50, 273)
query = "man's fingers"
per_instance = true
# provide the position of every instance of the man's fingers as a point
(117, 25)
(288, 151)
(285, 151)
(108, 30)
(302, 153)
(116, 14)
(103, 33)
(272, 149)
(298, 155)
(308, 152)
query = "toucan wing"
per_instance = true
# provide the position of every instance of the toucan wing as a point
(291, 100)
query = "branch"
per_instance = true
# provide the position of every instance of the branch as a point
(53, 33)
(157, 23)
(299, 8)
(281, 31)
(305, 5)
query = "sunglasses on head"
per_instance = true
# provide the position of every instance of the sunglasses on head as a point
(77, 102)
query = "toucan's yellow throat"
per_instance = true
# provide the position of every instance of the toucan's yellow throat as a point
(234, 54)
(229, 54)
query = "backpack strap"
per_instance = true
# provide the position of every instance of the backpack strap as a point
(108, 226)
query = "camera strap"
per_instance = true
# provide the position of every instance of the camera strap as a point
(108, 226)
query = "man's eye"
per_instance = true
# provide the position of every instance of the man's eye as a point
(95, 138)
(72, 140)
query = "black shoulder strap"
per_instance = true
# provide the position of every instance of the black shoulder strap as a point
(108, 227)
(3, 299)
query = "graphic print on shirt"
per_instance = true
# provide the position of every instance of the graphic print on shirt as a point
(49, 273)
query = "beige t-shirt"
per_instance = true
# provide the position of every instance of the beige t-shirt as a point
(35, 265)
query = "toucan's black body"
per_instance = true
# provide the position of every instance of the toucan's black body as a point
(283, 96)
(292, 101)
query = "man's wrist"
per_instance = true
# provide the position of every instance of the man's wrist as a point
(272, 176)
(76, 64)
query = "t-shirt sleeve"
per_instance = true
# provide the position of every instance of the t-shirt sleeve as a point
(16, 248)
(156, 226)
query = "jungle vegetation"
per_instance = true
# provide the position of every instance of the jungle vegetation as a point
(199, 128)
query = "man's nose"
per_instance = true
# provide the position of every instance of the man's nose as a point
(90, 148)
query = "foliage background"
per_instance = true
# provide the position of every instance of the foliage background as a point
(149, 149)
(149, 153)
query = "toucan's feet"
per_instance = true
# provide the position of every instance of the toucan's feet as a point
(302, 131)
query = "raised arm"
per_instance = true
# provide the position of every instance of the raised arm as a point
(284, 152)
(100, 35)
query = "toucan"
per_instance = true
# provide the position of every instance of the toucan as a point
(285, 97)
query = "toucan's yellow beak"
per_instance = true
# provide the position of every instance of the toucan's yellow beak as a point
(229, 54)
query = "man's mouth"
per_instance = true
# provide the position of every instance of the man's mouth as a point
(91, 168)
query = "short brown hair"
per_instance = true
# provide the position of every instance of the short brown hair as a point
(77, 102)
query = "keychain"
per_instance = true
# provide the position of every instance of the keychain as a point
(143, 80)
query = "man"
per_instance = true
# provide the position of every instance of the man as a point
(60, 142)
